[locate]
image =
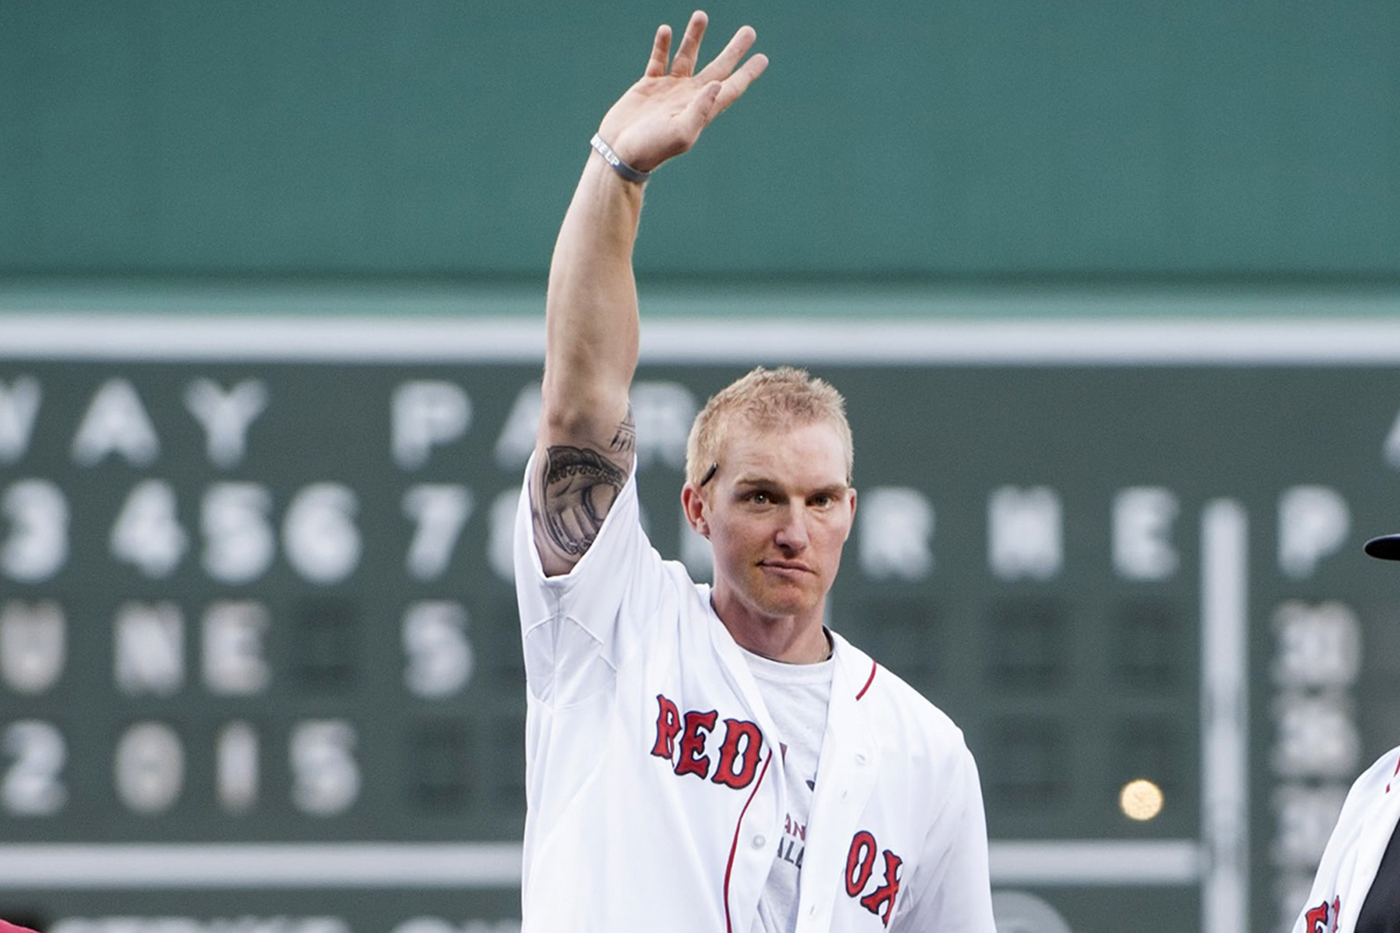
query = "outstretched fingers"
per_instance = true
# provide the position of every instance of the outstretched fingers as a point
(665, 112)
(660, 51)
(684, 64)
(734, 86)
(701, 110)
(727, 60)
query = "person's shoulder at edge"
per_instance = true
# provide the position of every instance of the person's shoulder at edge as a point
(6, 927)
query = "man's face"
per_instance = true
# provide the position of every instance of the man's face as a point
(777, 514)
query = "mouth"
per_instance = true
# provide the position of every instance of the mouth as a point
(786, 566)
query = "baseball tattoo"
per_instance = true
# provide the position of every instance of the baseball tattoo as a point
(577, 488)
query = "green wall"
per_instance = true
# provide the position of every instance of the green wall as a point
(950, 140)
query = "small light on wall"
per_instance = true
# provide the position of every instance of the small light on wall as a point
(1140, 799)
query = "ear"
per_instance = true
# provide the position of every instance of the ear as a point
(851, 519)
(693, 503)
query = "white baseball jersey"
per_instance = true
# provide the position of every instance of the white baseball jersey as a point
(655, 799)
(1353, 854)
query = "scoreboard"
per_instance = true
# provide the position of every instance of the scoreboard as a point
(259, 660)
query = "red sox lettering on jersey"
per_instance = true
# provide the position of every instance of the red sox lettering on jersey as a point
(739, 752)
(1323, 918)
(681, 739)
(860, 866)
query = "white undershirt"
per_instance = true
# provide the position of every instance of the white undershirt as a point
(797, 696)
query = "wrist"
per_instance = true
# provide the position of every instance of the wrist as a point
(616, 162)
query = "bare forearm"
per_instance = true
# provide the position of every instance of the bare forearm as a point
(591, 308)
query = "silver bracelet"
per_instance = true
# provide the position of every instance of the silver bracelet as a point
(619, 166)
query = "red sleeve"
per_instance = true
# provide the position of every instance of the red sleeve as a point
(11, 928)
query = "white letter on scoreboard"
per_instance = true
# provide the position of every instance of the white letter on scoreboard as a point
(238, 767)
(1313, 522)
(325, 775)
(116, 422)
(896, 533)
(33, 645)
(662, 413)
(439, 657)
(319, 534)
(150, 767)
(36, 547)
(234, 663)
(1023, 533)
(440, 511)
(32, 786)
(148, 532)
(19, 404)
(238, 541)
(226, 416)
(1142, 531)
(1316, 646)
(1304, 819)
(1316, 734)
(517, 438)
(149, 649)
(425, 415)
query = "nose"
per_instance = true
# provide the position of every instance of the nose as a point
(791, 533)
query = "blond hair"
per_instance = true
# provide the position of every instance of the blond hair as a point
(765, 400)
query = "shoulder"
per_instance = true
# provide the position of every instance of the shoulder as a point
(897, 711)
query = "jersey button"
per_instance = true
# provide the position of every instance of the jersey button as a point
(860, 758)
(759, 841)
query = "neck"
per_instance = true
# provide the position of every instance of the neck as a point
(799, 639)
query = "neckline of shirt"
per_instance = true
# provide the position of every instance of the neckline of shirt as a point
(785, 673)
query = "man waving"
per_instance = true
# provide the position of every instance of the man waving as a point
(711, 758)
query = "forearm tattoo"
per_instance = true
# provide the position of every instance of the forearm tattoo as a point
(576, 488)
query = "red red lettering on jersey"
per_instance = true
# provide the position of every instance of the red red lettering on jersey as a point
(693, 759)
(739, 751)
(860, 862)
(860, 865)
(1324, 917)
(668, 726)
(737, 766)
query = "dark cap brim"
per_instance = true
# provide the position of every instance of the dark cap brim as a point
(1386, 547)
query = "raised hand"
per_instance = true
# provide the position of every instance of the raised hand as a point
(663, 114)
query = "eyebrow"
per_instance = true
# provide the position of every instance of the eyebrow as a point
(752, 481)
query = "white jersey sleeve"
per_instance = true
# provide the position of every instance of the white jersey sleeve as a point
(578, 628)
(952, 892)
